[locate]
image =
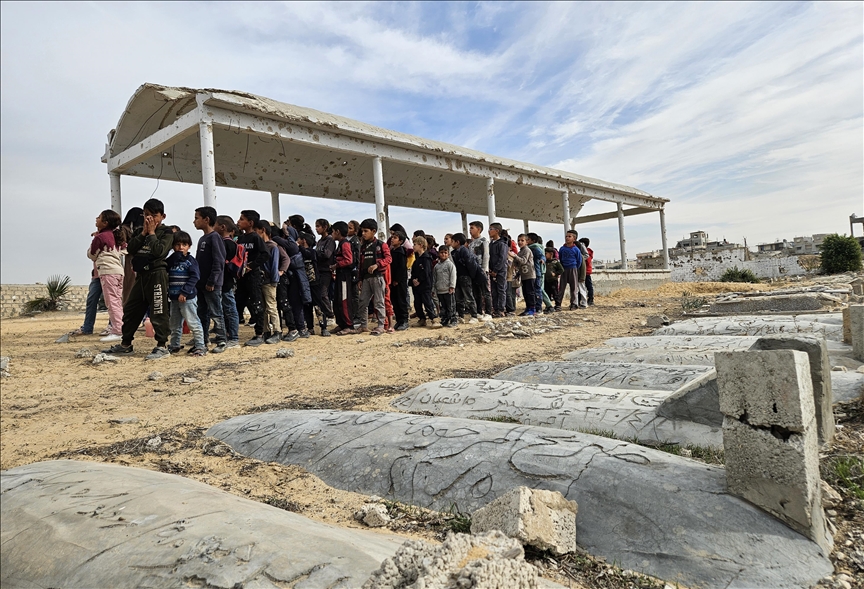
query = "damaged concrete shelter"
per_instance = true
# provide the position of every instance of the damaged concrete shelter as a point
(239, 140)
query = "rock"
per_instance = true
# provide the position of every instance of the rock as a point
(830, 497)
(4, 362)
(284, 353)
(63, 339)
(188, 380)
(360, 340)
(84, 353)
(520, 333)
(839, 369)
(538, 518)
(397, 344)
(154, 442)
(87, 524)
(436, 462)
(124, 420)
(485, 340)
(99, 358)
(463, 561)
(373, 515)
(655, 321)
(155, 375)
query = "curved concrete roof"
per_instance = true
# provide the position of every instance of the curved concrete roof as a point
(262, 144)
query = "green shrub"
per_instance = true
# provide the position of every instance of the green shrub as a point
(57, 287)
(690, 302)
(736, 275)
(840, 253)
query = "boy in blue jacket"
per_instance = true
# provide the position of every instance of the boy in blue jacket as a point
(183, 276)
(571, 258)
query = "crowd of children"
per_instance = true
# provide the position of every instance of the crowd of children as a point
(289, 280)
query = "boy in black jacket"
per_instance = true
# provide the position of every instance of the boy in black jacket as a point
(467, 271)
(498, 261)
(148, 247)
(399, 279)
(421, 279)
(249, 292)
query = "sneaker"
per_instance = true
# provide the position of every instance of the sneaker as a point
(198, 352)
(232, 344)
(529, 313)
(118, 350)
(174, 349)
(290, 336)
(219, 348)
(304, 333)
(401, 327)
(573, 307)
(377, 331)
(421, 323)
(325, 333)
(106, 331)
(112, 337)
(255, 341)
(557, 308)
(79, 332)
(274, 339)
(473, 320)
(192, 349)
(487, 317)
(157, 353)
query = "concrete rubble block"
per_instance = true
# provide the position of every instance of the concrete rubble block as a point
(847, 326)
(373, 515)
(847, 386)
(623, 375)
(858, 286)
(542, 519)
(856, 329)
(463, 561)
(655, 321)
(628, 414)
(767, 389)
(645, 509)
(87, 524)
(697, 401)
(769, 437)
(820, 375)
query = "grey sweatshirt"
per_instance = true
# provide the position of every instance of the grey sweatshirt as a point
(445, 276)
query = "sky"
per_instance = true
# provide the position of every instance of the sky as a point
(746, 116)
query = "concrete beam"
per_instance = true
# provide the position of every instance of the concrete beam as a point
(159, 141)
(208, 163)
(275, 208)
(378, 181)
(613, 215)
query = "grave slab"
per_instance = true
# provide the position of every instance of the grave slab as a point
(647, 510)
(791, 302)
(829, 325)
(626, 413)
(643, 356)
(847, 386)
(76, 524)
(624, 375)
(684, 342)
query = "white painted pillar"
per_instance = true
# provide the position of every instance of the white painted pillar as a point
(387, 219)
(663, 238)
(525, 226)
(490, 199)
(208, 163)
(621, 236)
(565, 204)
(116, 200)
(378, 180)
(274, 206)
(465, 230)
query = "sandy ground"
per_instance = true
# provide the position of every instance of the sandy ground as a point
(55, 405)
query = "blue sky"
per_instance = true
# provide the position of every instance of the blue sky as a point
(747, 116)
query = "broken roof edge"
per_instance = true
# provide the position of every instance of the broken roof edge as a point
(269, 108)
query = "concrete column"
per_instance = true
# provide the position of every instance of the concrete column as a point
(565, 198)
(274, 206)
(116, 200)
(387, 219)
(490, 199)
(663, 239)
(621, 236)
(378, 180)
(465, 231)
(208, 164)
(525, 226)
(856, 330)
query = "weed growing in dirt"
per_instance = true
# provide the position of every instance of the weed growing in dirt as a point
(281, 503)
(407, 517)
(500, 419)
(705, 454)
(845, 471)
(690, 302)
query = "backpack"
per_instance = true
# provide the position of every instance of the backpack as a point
(357, 262)
(238, 265)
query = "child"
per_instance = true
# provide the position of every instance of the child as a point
(343, 269)
(589, 269)
(554, 270)
(498, 256)
(183, 275)
(272, 274)
(421, 279)
(571, 259)
(445, 286)
(105, 251)
(293, 292)
(325, 251)
(210, 256)
(467, 270)
(480, 247)
(534, 244)
(374, 258)
(148, 247)
(306, 245)
(524, 262)
(249, 293)
(225, 228)
(399, 279)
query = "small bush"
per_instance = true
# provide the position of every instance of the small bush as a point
(57, 287)
(736, 275)
(690, 302)
(840, 253)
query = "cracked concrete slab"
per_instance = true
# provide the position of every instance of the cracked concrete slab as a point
(86, 524)
(647, 510)
(628, 414)
(643, 356)
(684, 342)
(828, 324)
(623, 375)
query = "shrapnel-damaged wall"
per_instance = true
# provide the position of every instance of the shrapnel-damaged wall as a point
(13, 298)
(710, 266)
(608, 281)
